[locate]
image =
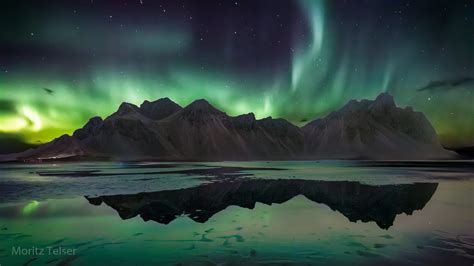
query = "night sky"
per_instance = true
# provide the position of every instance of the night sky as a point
(62, 62)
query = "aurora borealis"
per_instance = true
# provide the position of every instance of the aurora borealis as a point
(64, 62)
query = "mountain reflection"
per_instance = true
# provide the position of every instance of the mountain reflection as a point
(356, 201)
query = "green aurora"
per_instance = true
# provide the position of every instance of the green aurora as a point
(332, 58)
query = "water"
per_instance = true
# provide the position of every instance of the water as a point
(325, 213)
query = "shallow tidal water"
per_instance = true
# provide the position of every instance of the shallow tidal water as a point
(313, 212)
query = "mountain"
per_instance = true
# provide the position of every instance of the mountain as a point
(465, 152)
(381, 203)
(202, 131)
(163, 130)
(159, 109)
(373, 129)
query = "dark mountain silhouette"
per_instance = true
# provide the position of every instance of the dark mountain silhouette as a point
(162, 130)
(159, 109)
(466, 152)
(373, 129)
(355, 201)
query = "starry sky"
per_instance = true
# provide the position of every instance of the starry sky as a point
(62, 62)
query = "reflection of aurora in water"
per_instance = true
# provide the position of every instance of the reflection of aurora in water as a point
(298, 230)
(30, 207)
(332, 212)
(315, 56)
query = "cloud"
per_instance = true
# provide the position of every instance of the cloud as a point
(48, 91)
(449, 84)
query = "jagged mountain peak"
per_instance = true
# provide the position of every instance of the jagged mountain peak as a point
(382, 102)
(95, 120)
(200, 104)
(89, 128)
(126, 108)
(203, 107)
(270, 119)
(247, 117)
(385, 97)
(160, 101)
(159, 109)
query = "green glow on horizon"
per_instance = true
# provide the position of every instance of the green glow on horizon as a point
(39, 117)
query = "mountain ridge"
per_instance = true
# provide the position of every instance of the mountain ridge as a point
(365, 129)
(163, 130)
